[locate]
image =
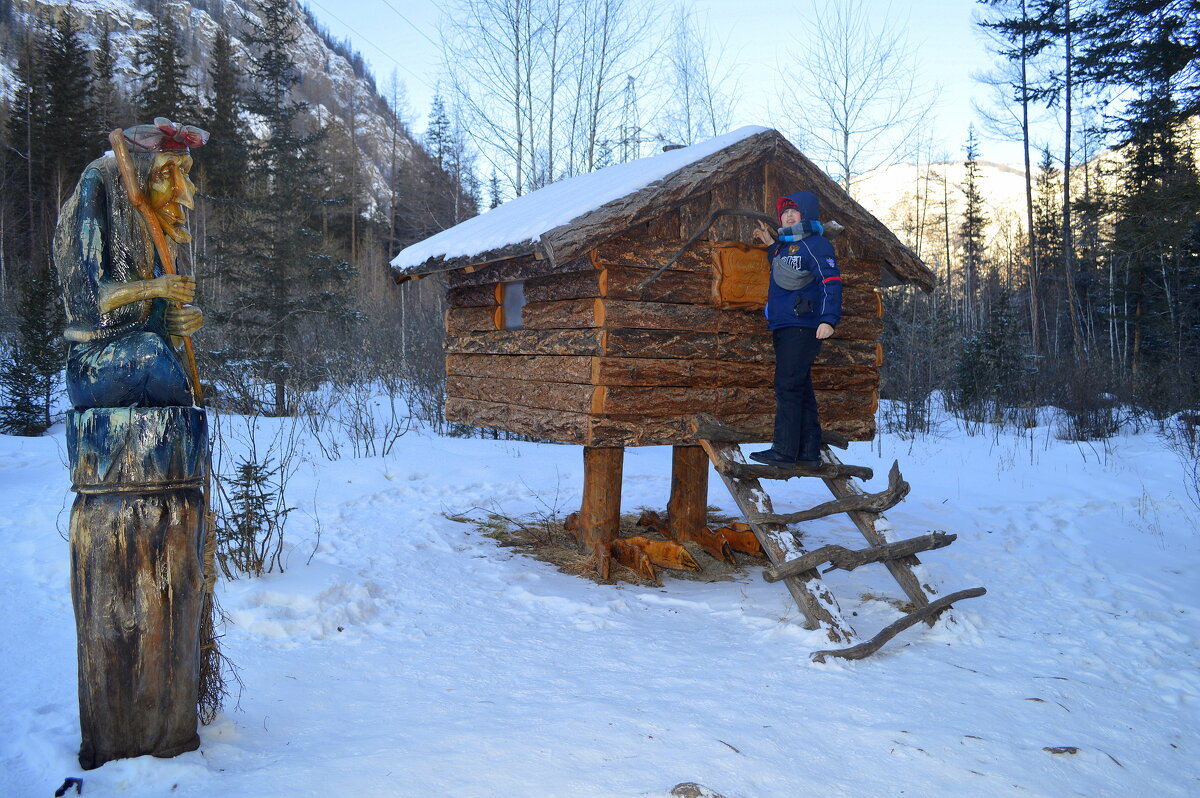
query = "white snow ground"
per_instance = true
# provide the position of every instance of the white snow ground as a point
(413, 657)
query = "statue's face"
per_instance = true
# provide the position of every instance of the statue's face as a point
(170, 191)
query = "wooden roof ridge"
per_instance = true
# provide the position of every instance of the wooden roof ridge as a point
(574, 238)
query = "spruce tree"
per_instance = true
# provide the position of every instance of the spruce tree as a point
(165, 90)
(223, 168)
(287, 304)
(69, 124)
(971, 229)
(30, 370)
(494, 194)
(106, 98)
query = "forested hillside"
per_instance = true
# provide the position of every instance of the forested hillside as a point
(310, 182)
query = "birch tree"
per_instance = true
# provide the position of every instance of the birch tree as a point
(856, 103)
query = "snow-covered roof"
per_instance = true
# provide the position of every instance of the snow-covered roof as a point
(564, 220)
(525, 219)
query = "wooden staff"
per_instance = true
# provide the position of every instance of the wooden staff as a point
(129, 178)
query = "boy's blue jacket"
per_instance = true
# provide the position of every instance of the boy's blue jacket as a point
(820, 300)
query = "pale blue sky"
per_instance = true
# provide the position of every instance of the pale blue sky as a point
(400, 35)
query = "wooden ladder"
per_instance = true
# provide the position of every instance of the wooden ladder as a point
(798, 568)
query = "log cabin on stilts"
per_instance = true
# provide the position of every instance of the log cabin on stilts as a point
(563, 325)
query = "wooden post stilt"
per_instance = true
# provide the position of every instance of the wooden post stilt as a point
(600, 515)
(688, 508)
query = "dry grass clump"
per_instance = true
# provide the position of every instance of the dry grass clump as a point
(543, 537)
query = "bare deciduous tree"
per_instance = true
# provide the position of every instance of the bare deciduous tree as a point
(699, 103)
(850, 90)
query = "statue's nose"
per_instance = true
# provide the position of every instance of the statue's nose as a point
(183, 189)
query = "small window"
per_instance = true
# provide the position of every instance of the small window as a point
(511, 302)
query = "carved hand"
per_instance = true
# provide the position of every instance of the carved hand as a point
(184, 321)
(173, 288)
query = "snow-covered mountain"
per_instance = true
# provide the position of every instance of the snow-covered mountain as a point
(334, 89)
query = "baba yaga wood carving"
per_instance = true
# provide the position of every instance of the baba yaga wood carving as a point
(138, 446)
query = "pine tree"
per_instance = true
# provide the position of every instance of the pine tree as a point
(226, 155)
(30, 371)
(494, 194)
(106, 98)
(165, 90)
(971, 229)
(68, 108)
(991, 364)
(287, 303)
(437, 135)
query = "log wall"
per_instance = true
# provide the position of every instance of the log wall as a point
(604, 360)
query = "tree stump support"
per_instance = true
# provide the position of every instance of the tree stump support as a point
(600, 512)
(688, 508)
(796, 567)
(137, 534)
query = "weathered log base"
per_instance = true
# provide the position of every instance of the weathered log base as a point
(136, 578)
(688, 508)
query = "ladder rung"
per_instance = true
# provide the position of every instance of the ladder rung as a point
(848, 559)
(932, 610)
(824, 471)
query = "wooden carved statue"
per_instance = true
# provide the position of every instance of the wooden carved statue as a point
(137, 441)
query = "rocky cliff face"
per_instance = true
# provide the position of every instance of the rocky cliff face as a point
(338, 95)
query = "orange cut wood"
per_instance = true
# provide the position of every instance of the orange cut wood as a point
(666, 553)
(653, 520)
(571, 524)
(714, 543)
(741, 537)
(633, 558)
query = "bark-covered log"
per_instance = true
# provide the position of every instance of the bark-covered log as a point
(617, 282)
(645, 252)
(474, 296)
(559, 287)
(643, 371)
(550, 425)
(930, 612)
(526, 393)
(860, 328)
(566, 315)
(624, 400)
(473, 319)
(700, 373)
(584, 429)
(687, 509)
(684, 288)
(720, 433)
(642, 431)
(840, 557)
(861, 301)
(844, 352)
(539, 368)
(519, 268)
(863, 379)
(528, 342)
